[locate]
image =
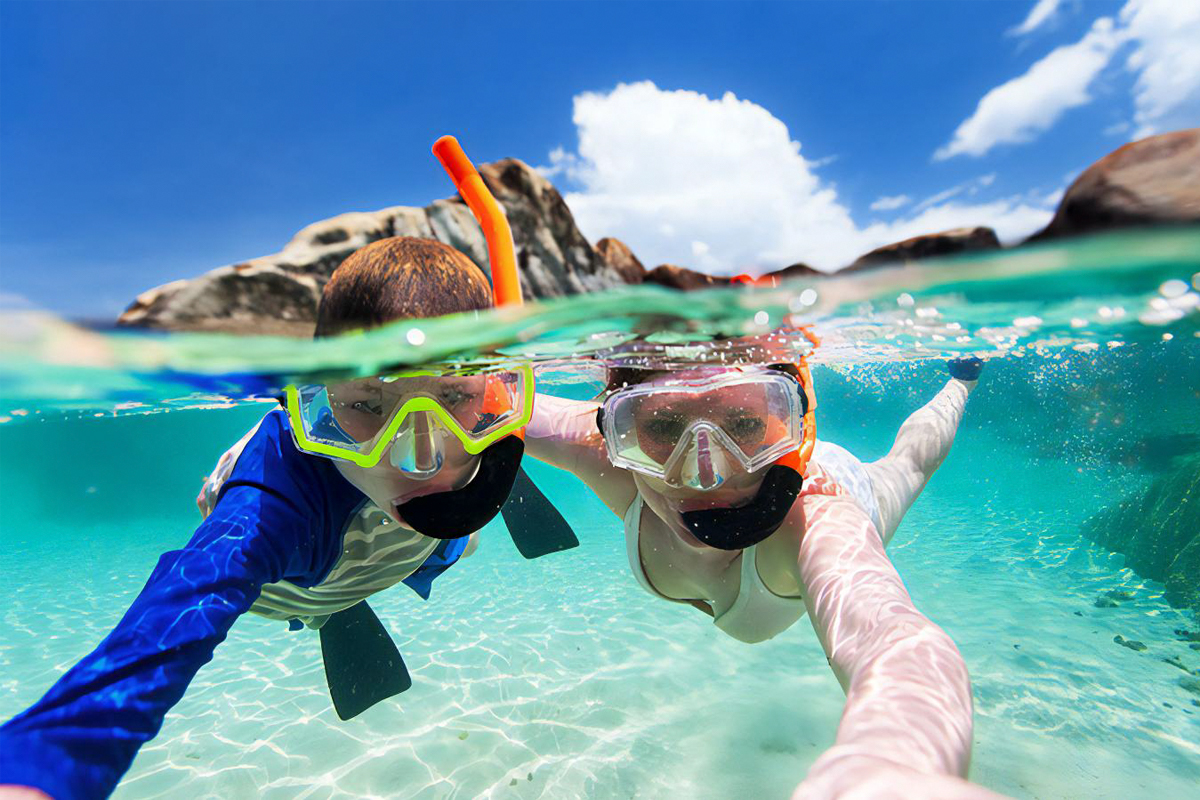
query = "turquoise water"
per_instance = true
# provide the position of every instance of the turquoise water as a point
(560, 677)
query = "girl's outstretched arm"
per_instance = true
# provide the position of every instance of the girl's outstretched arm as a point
(907, 720)
(921, 445)
(563, 433)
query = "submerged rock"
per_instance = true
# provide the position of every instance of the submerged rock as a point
(930, 245)
(1105, 602)
(278, 294)
(1119, 594)
(1132, 644)
(1153, 181)
(1191, 683)
(1158, 532)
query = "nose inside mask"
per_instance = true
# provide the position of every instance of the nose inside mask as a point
(705, 461)
(418, 450)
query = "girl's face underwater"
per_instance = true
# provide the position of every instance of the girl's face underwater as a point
(664, 417)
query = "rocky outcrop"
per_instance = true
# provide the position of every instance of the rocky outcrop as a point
(1150, 182)
(795, 271)
(619, 257)
(675, 277)
(278, 294)
(1158, 532)
(1154, 181)
(930, 245)
(554, 257)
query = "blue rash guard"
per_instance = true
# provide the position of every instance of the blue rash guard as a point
(280, 516)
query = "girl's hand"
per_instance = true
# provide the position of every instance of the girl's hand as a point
(965, 369)
(854, 776)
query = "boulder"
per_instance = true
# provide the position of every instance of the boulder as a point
(676, 277)
(278, 294)
(554, 257)
(251, 298)
(1153, 181)
(930, 245)
(617, 255)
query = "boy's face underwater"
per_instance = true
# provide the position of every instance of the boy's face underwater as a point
(420, 460)
(388, 486)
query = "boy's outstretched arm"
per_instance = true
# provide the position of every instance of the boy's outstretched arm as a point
(271, 522)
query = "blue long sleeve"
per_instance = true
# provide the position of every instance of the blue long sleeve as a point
(280, 516)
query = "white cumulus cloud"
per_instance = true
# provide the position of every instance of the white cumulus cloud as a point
(1041, 13)
(1020, 109)
(1166, 61)
(1165, 65)
(891, 203)
(719, 184)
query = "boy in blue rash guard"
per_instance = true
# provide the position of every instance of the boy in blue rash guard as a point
(286, 532)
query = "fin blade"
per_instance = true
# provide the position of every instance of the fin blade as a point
(363, 666)
(536, 526)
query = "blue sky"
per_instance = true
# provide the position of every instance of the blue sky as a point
(144, 142)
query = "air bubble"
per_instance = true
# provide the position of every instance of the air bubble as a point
(415, 337)
(1172, 288)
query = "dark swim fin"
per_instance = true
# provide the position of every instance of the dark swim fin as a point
(536, 527)
(362, 664)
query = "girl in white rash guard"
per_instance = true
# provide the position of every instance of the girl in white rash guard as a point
(906, 728)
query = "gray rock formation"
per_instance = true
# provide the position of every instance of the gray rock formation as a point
(1153, 181)
(278, 294)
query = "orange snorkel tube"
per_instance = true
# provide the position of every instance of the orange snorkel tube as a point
(506, 285)
(536, 527)
(502, 256)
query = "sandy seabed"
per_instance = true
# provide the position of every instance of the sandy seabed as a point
(562, 678)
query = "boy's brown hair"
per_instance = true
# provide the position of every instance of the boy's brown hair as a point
(400, 278)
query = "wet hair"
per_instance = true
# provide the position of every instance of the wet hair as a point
(402, 277)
